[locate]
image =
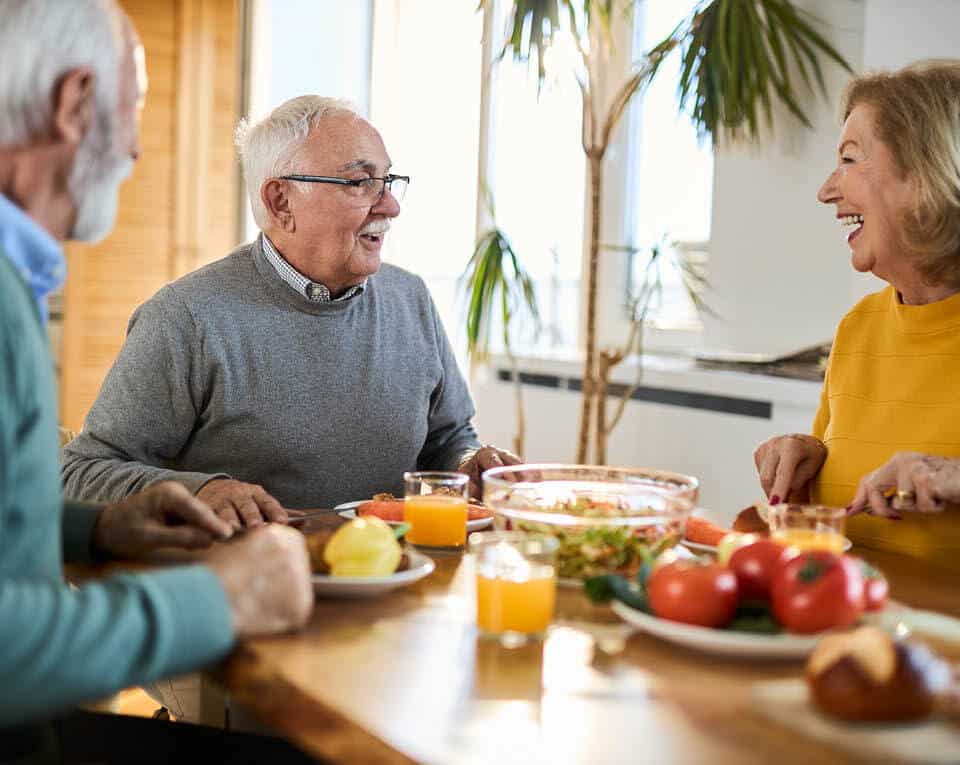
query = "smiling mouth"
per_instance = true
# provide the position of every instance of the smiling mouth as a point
(852, 225)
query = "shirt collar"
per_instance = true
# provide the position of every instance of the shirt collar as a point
(36, 255)
(312, 291)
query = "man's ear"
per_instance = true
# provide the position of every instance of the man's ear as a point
(74, 105)
(274, 196)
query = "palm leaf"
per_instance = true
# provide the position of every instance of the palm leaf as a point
(737, 57)
(495, 282)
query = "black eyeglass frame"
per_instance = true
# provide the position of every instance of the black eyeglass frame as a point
(355, 182)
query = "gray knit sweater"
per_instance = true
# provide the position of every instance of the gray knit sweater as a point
(228, 371)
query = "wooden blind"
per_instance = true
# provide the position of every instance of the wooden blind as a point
(179, 209)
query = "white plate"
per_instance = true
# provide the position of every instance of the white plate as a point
(349, 510)
(716, 517)
(365, 586)
(724, 642)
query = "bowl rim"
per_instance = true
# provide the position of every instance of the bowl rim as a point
(683, 501)
(687, 483)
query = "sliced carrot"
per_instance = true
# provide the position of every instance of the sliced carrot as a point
(703, 532)
(388, 510)
(392, 510)
(476, 512)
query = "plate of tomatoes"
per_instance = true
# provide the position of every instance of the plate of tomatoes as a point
(763, 601)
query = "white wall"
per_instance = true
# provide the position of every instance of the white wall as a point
(778, 263)
(899, 32)
(716, 447)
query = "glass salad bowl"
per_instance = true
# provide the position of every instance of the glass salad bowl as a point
(607, 520)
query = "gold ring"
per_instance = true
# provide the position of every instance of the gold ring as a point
(904, 499)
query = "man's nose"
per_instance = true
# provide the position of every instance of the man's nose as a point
(387, 205)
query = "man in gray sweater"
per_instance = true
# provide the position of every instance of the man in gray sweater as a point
(298, 371)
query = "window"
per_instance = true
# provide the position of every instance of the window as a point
(425, 101)
(670, 185)
(306, 46)
(536, 178)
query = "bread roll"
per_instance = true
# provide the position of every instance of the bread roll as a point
(865, 675)
(749, 521)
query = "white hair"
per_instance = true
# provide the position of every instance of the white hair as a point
(40, 41)
(269, 147)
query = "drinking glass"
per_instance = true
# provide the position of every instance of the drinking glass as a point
(807, 527)
(516, 581)
(435, 506)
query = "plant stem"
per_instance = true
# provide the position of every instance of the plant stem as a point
(606, 361)
(589, 365)
(518, 394)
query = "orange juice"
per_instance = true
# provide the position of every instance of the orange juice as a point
(436, 520)
(505, 605)
(810, 539)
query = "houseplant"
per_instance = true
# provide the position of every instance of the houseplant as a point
(497, 289)
(738, 57)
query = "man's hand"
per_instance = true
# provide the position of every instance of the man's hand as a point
(266, 574)
(788, 463)
(165, 515)
(485, 458)
(241, 504)
(908, 481)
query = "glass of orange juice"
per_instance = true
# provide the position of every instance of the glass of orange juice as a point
(808, 527)
(435, 506)
(516, 584)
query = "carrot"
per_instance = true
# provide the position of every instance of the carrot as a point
(703, 532)
(388, 510)
(392, 510)
(476, 512)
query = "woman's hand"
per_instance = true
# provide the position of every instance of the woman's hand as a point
(912, 481)
(788, 463)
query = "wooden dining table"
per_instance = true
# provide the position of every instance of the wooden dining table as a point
(404, 677)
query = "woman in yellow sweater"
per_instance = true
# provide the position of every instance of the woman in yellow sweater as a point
(886, 438)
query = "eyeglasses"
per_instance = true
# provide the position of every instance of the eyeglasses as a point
(366, 191)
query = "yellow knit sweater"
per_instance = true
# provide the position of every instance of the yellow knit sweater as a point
(893, 384)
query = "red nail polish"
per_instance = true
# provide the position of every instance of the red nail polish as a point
(896, 517)
(775, 499)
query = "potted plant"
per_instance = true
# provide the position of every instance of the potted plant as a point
(738, 56)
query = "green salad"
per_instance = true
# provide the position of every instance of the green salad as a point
(592, 550)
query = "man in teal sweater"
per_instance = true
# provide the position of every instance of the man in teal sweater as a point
(71, 84)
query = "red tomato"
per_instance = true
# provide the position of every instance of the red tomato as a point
(694, 593)
(875, 587)
(754, 566)
(816, 591)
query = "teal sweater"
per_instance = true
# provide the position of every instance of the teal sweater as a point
(61, 645)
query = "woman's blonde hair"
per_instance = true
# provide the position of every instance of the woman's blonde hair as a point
(916, 113)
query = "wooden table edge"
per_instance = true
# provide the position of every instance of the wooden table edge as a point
(304, 720)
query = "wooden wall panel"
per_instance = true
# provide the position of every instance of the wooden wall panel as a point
(178, 210)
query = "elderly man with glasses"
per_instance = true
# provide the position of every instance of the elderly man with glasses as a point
(298, 371)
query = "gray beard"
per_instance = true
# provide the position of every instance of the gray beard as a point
(94, 182)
